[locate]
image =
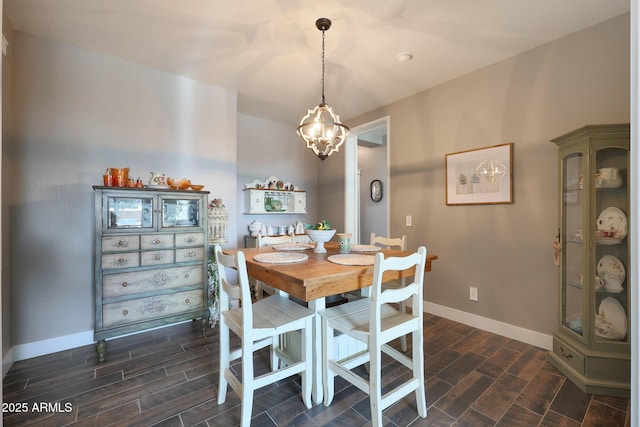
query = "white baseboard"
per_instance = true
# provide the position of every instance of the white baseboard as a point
(506, 330)
(7, 361)
(51, 345)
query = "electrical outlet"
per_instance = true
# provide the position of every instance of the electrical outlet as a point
(473, 293)
(408, 221)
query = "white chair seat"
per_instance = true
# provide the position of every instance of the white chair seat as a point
(258, 325)
(376, 321)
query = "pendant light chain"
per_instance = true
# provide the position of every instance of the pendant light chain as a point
(323, 66)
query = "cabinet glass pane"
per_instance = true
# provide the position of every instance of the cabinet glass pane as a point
(611, 255)
(573, 259)
(180, 213)
(130, 212)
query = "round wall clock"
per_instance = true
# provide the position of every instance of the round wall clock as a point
(376, 190)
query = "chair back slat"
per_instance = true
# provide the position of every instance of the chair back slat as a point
(412, 291)
(389, 242)
(228, 290)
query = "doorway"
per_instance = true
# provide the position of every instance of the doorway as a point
(366, 160)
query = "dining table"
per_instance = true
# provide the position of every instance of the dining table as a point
(318, 276)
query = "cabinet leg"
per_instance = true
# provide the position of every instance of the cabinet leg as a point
(204, 322)
(101, 349)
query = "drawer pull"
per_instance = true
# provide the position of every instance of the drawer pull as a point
(191, 254)
(156, 242)
(125, 312)
(125, 284)
(186, 301)
(122, 243)
(122, 261)
(565, 354)
(157, 257)
(186, 276)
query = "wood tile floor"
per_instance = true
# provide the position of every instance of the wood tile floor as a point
(169, 377)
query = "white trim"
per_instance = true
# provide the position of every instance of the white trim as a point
(506, 330)
(51, 345)
(7, 361)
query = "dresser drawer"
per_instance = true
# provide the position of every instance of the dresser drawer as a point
(123, 260)
(189, 239)
(114, 285)
(142, 309)
(192, 254)
(120, 243)
(156, 241)
(156, 257)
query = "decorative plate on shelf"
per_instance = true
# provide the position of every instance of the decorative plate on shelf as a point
(365, 248)
(611, 321)
(281, 257)
(612, 223)
(611, 270)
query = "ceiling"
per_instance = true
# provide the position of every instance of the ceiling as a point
(269, 50)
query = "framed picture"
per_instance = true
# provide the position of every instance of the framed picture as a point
(376, 190)
(482, 176)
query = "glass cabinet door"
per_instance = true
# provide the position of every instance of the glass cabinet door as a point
(611, 302)
(130, 212)
(180, 212)
(573, 261)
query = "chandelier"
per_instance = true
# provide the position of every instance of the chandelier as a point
(320, 128)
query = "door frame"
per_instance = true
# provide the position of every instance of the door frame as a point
(352, 177)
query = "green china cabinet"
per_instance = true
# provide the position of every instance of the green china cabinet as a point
(591, 345)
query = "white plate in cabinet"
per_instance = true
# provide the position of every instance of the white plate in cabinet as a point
(119, 284)
(137, 310)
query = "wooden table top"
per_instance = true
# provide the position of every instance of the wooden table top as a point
(317, 277)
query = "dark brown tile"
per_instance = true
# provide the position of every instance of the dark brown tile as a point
(553, 419)
(539, 393)
(499, 397)
(601, 415)
(571, 401)
(473, 418)
(169, 377)
(459, 369)
(499, 362)
(519, 416)
(462, 396)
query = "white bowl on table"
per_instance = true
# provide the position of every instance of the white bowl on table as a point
(320, 236)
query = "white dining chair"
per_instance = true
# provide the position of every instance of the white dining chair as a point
(376, 321)
(260, 287)
(399, 243)
(258, 325)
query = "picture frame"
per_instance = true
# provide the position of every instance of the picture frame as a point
(376, 190)
(482, 176)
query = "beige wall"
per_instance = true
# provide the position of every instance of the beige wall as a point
(75, 113)
(504, 250)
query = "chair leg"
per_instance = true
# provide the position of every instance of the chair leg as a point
(275, 360)
(328, 376)
(375, 383)
(224, 362)
(418, 371)
(307, 356)
(247, 385)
